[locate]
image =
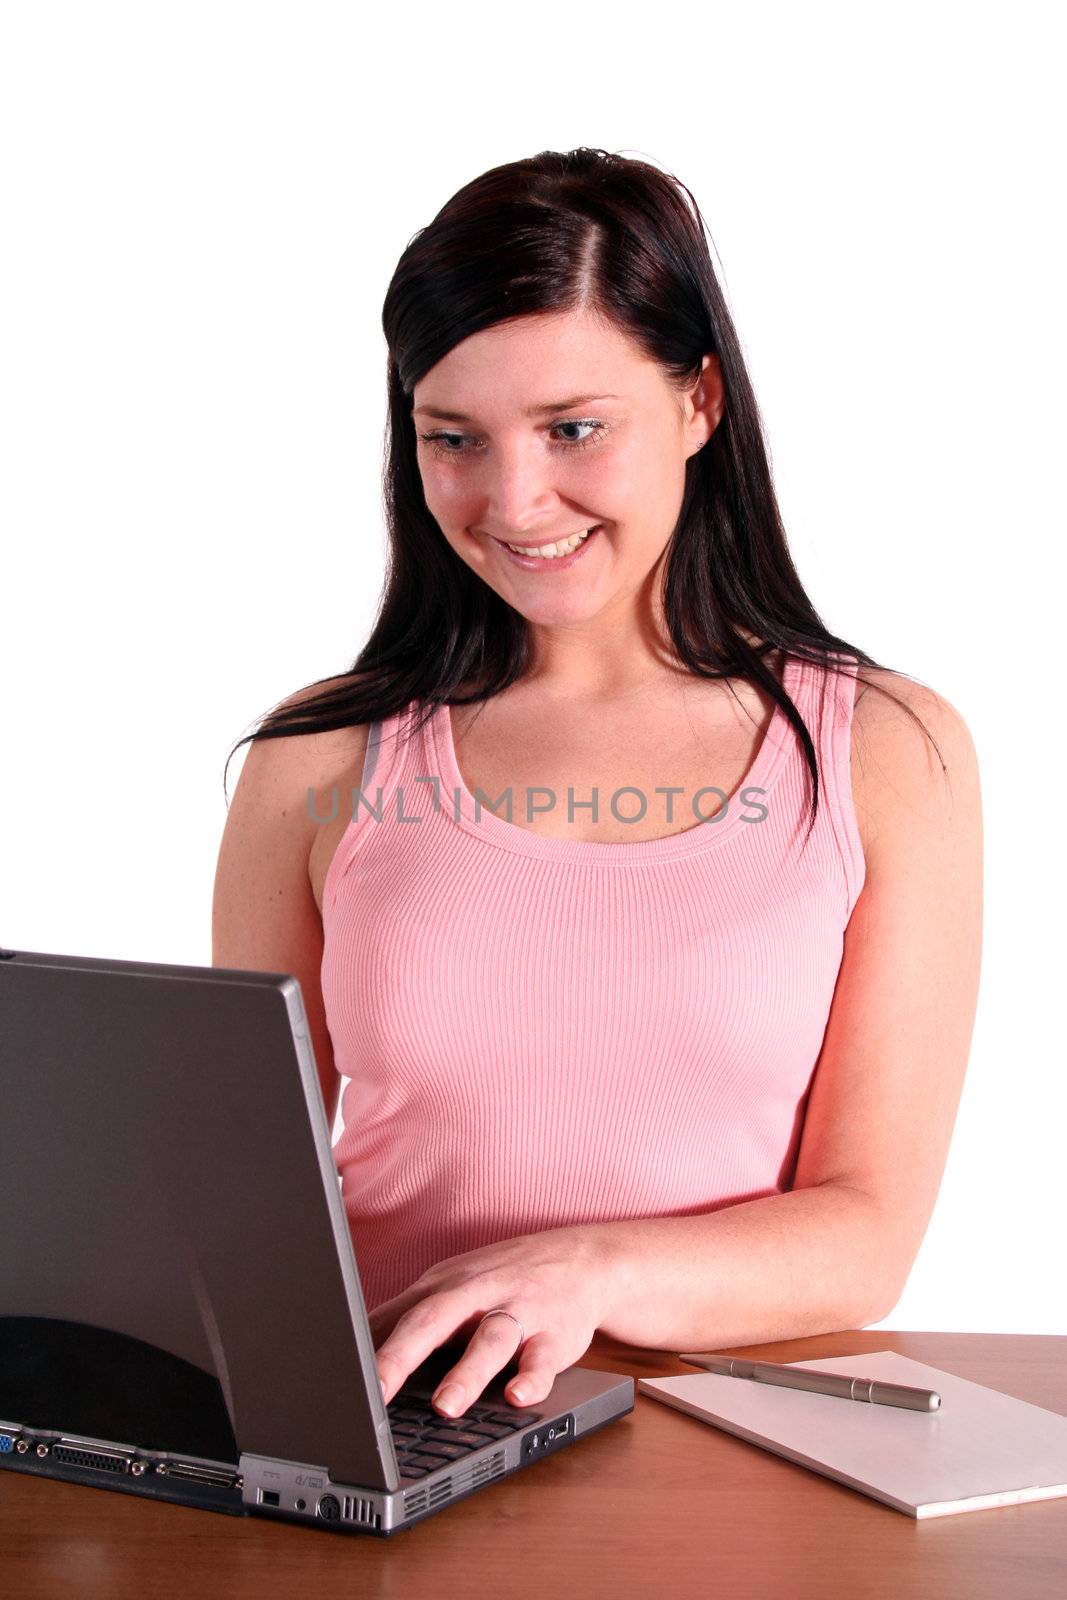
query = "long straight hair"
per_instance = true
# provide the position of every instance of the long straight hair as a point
(592, 231)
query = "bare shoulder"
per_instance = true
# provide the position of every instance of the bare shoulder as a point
(292, 764)
(914, 765)
(306, 697)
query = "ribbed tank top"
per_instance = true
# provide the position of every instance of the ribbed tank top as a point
(539, 1032)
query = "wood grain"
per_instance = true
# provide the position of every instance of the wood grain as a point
(657, 1504)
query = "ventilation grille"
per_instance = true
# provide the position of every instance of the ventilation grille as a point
(491, 1468)
(361, 1511)
(426, 1499)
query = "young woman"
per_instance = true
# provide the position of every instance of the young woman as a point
(642, 913)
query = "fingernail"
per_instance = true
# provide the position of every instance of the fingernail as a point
(382, 1382)
(449, 1399)
(520, 1392)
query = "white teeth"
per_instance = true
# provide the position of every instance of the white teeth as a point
(562, 548)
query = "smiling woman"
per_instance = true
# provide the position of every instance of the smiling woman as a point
(513, 491)
(653, 1071)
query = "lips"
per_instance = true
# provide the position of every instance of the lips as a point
(543, 563)
(559, 538)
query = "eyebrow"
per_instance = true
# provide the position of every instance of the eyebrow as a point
(531, 411)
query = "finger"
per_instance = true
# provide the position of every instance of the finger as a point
(383, 1320)
(492, 1346)
(418, 1332)
(539, 1367)
(384, 1317)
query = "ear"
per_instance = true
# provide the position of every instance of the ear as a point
(703, 406)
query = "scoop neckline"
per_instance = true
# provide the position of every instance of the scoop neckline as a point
(700, 836)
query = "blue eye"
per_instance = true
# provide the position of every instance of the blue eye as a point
(599, 428)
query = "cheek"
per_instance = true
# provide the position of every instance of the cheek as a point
(443, 492)
(655, 480)
(633, 463)
(435, 488)
(643, 465)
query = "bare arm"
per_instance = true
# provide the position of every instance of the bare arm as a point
(781, 1267)
(264, 915)
(836, 1250)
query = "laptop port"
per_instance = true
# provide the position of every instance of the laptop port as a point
(191, 1472)
(549, 1436)
(98, 1457)
(269, 1497)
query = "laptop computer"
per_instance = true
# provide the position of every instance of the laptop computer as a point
(181, 1314)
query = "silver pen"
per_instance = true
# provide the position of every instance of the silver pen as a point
(833, 1383)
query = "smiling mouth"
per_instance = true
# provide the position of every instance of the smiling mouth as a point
(550, 550)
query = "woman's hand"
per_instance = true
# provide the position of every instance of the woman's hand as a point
(560, 1285)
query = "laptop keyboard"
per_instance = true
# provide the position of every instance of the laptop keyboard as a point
(424, 1440)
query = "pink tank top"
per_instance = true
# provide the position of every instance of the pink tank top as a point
(539, 1032)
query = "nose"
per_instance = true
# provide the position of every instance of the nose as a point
(519, 489)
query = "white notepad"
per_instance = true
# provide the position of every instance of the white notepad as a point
(981, 1449)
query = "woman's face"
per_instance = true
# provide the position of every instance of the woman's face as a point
(511, 464)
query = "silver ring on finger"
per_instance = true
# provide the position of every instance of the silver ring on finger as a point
(498, 1311)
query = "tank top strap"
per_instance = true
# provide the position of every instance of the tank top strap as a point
(386, 743)
(370, 760)
(369, 805)
(834, 696)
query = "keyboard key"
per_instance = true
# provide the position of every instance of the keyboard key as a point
(454, 1436)
(450, 1451)
(513, 1419)
(491, 1430)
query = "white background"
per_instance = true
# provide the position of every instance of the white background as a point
(202, 205)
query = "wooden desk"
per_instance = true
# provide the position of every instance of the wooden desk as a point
(657, 1505)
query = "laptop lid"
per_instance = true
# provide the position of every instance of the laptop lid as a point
(169, 1181)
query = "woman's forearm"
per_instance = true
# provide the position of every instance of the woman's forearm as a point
(785, 1266)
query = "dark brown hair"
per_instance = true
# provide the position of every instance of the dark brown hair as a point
(563, 231)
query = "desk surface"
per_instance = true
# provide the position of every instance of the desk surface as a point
(657, 1504)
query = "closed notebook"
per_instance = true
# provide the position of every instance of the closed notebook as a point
(981, 1449)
